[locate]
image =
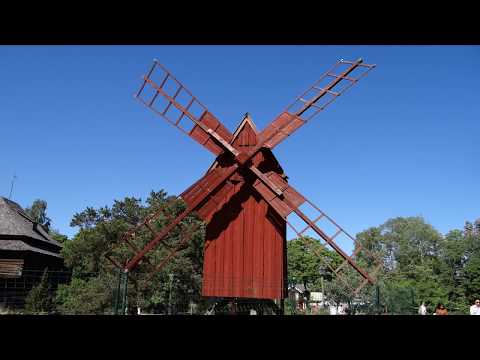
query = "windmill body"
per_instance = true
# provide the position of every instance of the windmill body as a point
(245, 244)
(245, 197)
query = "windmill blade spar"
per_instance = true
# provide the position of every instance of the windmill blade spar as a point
(194, 197)
(162, 93)
(315, 99)
(193, 203)
(290, 202)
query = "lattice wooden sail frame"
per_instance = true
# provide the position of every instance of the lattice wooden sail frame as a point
(329, 242)
(129, 236)
(309, 104)
(191, 116)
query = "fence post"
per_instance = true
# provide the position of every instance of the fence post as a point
(170, 276)
(413, 301)
(124, 294)
(116, 293)
(121, 299)
(377, 299)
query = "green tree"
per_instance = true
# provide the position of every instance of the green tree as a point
(39, 299)
(57, 236)
(417, 258)
(86, 296)
(451, 266)
(38, 212)
(101, 229)
(471, 257)
(309, 260)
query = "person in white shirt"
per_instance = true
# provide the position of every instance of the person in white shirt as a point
(422, 310)
(475, 308)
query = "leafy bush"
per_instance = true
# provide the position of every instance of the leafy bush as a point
(92, 296)
(39, 299)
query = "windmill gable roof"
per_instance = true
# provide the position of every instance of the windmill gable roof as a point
(246, 134)
(15, 223)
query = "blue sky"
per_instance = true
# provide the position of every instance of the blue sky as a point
(402, 142)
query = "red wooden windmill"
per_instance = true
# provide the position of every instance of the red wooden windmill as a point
(245, 197)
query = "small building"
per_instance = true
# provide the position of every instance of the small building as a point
(300, 296)
(26, 250)
(316, 301)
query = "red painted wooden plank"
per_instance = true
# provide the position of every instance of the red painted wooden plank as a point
(206, 139)
(208, 268)
(248, 243)
(279, 253)
(228, 249)
(277, 180)
(287, 122)
(252, 138)
(258, 249)
(277, 271)
(219, 257)
(212, 122)
(267, 257)
(280, 256)
(238, 251)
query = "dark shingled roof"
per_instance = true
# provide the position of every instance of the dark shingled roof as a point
(19, 245)
(16, 224)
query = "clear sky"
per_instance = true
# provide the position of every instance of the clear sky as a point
(402, 142)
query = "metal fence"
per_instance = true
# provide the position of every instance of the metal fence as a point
(118, 299)
(378, 300)
(120, 295)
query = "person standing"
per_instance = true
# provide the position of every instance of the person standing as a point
(422, 310)
(475, 308)
(441, 310)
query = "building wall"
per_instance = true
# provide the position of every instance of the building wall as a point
(34, 261)
(245, 250)
(14, 289)
(245, 247)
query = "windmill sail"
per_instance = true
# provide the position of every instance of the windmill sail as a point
(315, 99)
(162, 93)
(291, 201)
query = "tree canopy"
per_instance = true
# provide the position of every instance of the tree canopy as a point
(38, 212)
(101, 229)
(309, 261)
(435, 268)
(419, 264)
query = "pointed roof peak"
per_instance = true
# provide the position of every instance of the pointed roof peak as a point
(14, 221)
(247, 119)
